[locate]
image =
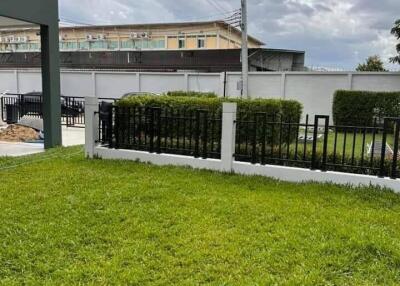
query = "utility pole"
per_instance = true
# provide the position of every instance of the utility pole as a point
(245, 51)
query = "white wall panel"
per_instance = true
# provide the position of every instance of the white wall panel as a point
(159, 83)
(376, 82)
(265, 85)
(204, 82)
(29, 81)
(315, 92)
(8, 82)
(77, 84)
(115, 85)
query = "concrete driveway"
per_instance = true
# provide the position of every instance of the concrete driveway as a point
(71, 137)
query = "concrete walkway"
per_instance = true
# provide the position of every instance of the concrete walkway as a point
(71, 137)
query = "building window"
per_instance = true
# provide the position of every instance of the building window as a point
(182, 43)
(201, 43)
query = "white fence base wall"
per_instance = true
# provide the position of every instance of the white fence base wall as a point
(289, 174)
(158, 159)
(299, 175)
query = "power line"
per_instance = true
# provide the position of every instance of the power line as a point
(212, 3)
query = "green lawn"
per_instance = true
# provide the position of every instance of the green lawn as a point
(67, 220)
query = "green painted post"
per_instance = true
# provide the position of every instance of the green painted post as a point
(51, 86)
(45, 14)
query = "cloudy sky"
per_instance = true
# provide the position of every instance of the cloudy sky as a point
(334, 33)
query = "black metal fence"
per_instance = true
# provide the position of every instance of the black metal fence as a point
(15, 106)
(194, 133)
(269, 139)
(261, 138)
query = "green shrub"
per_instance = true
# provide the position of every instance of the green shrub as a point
(288, 110)
(359, 108)
(192, 94)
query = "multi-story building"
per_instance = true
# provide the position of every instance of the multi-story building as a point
(169, 36)
(202, 46)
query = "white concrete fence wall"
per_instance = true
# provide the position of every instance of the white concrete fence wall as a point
(313, 89)
(227, 162)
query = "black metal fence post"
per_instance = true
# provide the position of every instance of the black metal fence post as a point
(205, 134)
(197, 134)
(314, 147)
(382, 172)
(325, 147)
(159, 130)
(110, 130)
(151, 123)
(395, 149)
(314, 162)
(254, 140)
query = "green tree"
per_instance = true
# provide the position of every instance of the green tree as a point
(372, 64)
(396, 32)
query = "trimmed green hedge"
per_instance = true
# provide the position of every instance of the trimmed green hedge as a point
(288, 109)
(192, 94)
(359, 108)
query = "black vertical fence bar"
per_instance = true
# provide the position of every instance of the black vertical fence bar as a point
(171, 131)
(151, 131)
(335, 146)
(280, 136)
(363, 146)
(263, 138)
(139, 126)
(395, 149)
(272, 136)
(325, 147)
(344, 146)
(184, 129)
(73, 115)
(178, 125)
(382, 172)
(314, 147)
(238, 135)
(197, 135)
(134, 128)
(353, 146)
(166, 129)
(288, 140)
(254, 140)
(190, 129)
(129, 131)
(110, 126)
(212, 139)
(158, 130)
(205, 134)
(220, 131)
(305, 138)
(296, 148)
(373, 144)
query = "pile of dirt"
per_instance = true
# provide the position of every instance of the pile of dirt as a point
(17, 133)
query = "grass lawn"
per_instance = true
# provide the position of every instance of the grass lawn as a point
(68, 220)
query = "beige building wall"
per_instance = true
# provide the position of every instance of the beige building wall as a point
(172, 43)
(160, 36)
(191, 42)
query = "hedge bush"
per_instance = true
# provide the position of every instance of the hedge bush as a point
(192, 94)
(359, 108)
(288, 110)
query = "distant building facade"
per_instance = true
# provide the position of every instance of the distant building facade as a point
(197, 46)
(168, 36)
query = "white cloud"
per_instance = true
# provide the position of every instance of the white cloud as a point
(332, 32)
